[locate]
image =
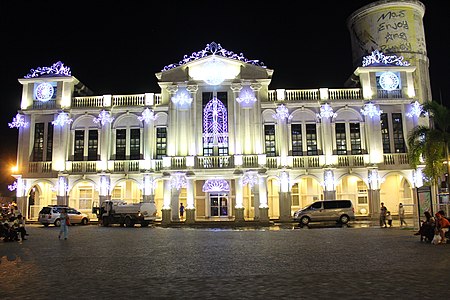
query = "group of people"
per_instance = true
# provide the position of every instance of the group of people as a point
(434, 226)
(386, 216)
(13, 229)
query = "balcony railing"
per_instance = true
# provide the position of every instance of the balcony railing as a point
(317, 94)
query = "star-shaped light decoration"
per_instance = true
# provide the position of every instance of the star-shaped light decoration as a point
(62, 119)
(326, 111)
(178, 181)
(246, 97)
(250, 178)
(147, 116)
(371, 110)
(282, 113)
(18, 121)
(103, 117)
(216, 185)
(182, 98)
(416, 110)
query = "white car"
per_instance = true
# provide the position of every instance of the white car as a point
(50, 215)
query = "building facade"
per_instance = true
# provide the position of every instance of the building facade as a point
(217, 139)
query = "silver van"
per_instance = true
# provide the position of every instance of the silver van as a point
(341, 211)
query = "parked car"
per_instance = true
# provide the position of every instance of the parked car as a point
(341, 211)
(50, 215)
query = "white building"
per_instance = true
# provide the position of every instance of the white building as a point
(217, 139)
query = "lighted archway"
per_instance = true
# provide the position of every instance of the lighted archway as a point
(354, 188)
(396, 189)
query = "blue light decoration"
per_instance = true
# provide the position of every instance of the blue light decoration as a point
(282, 113)
(326, 111)
(379, 58)
(216, 185)
(103, 117)
(246, 97)
(416, 110)
(371, 110)
(215, 124)
(18, 121)
(250, 178)
(57, 69)
(147, 115)
(178, 181)
(182, 98)
(13, 186)
(62, 119)
(213, 49)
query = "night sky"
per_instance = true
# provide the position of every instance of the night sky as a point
(116, 47)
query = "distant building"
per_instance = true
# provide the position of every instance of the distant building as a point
(217, 139)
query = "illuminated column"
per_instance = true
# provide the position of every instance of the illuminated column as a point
(373, 131)
(263, 207)
(374, 180)
(166, 209)
(172, 137)
(61, 141)
(236, 88)
(285, 197)
(329, 184)
(190, 205)
(418, 183)
(62, 197)
(326, 115)
(192, 89)
(21, 197)
(105, 188)
(148, 192)
(257, 137)
(239, 206)
(148, 118)
(282, 117)
(105, 119)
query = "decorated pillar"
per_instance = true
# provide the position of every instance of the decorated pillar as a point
(329, 185)
(239, 200)
(177, 182)
(325, 116)
(148, 117)
(62, 197)
(104, 119)
(61, 138)
(21, 197)
(282, 116)
(166, 209)
(191, 125)
(372, 126)
(251, 178)
(148, 191)
(105, 188)
(285, 197)
(190, 205)
(238, 140)
(263, 206)
(374, 181)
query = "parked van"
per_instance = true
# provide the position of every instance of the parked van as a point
(341, 211)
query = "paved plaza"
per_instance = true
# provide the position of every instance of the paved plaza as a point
(276, 262)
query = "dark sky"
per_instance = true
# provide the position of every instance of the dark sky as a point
(116, 47)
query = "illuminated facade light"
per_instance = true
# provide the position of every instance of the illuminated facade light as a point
(246, 97)
(13, 186)
(326, 111)
(250, 178)
(374, 179)
(18, 121)
(147, 116)
(57, 68)
(416, 110)
(103, 118)
(282, 113)
(62, 119)
(182, 98)
(215, 124)
(178, 181)
(371, 110)
(377, 57)
(329, 182)
(216, 185)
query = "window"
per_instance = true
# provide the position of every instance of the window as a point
(355, 139)
(135, 144)
(215, 124)
(93, 144)
(330, 204)
(38, 145)
(341, 143)
(78, 151)
(269, 133)
(295, 195)
(311, 140)
(161, 142)
(397, 130)
(121, 143)
(316, 205)
(296, 135)
(49, 142)
(385, 133)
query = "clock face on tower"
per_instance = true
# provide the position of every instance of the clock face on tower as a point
(44, 91)
(389, 81)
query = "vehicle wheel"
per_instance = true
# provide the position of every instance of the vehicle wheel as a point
(344, 219)
(128, 222)
(105, 221)
(45, 225)
(58, 222)
(84, 221)
(304, 221)
(144, 224)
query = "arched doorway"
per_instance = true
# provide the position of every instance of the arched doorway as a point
(355, 189)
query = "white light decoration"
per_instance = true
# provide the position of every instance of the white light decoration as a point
(13, 186)
(371, 110)
(44, 91)
(418, 177)
(389, 81)
(18, 121)
(374, 179)
(62, 187)
(215, 123)
(246, 97)
(329, 182)
(62, 119)
(147, 116)
(378, 57)
(214, 71)
(250, 178)
(178, 181)
(103, 118)
(416, 110)
(105, 187)
(182, 98)
(282, 113)
(326, 111)
(216, 185)
(149, 185)
(284, 182)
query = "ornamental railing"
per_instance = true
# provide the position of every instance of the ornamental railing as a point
(315, 94)
(116, 100)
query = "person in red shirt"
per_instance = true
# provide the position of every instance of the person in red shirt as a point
(442, 225)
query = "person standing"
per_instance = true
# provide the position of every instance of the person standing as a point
(389, 218)
(65, 222)
(181, 211)
(383, 211)
(401, 215)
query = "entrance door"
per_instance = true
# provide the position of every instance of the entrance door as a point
(218, 204)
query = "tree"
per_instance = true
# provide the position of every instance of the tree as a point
(430, 144)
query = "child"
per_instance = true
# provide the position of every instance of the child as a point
(389, 218)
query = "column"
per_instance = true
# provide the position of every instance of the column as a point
(190, 205)
(192, 149)
(105, 120)
(263, 207)
(21, 197)
(326, 115)
(148, 119)
(285, 198)
(105, 187)
(374, 192)
(239, 200)
(62, 197)
(166, 209)
(148, 192)
(282, 117)
(329, 183)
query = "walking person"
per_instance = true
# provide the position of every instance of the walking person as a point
(65, 222)
(389, 218)
(181, 211)
(401, 215)
(383, 211)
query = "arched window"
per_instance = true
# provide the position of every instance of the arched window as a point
(215, 128)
